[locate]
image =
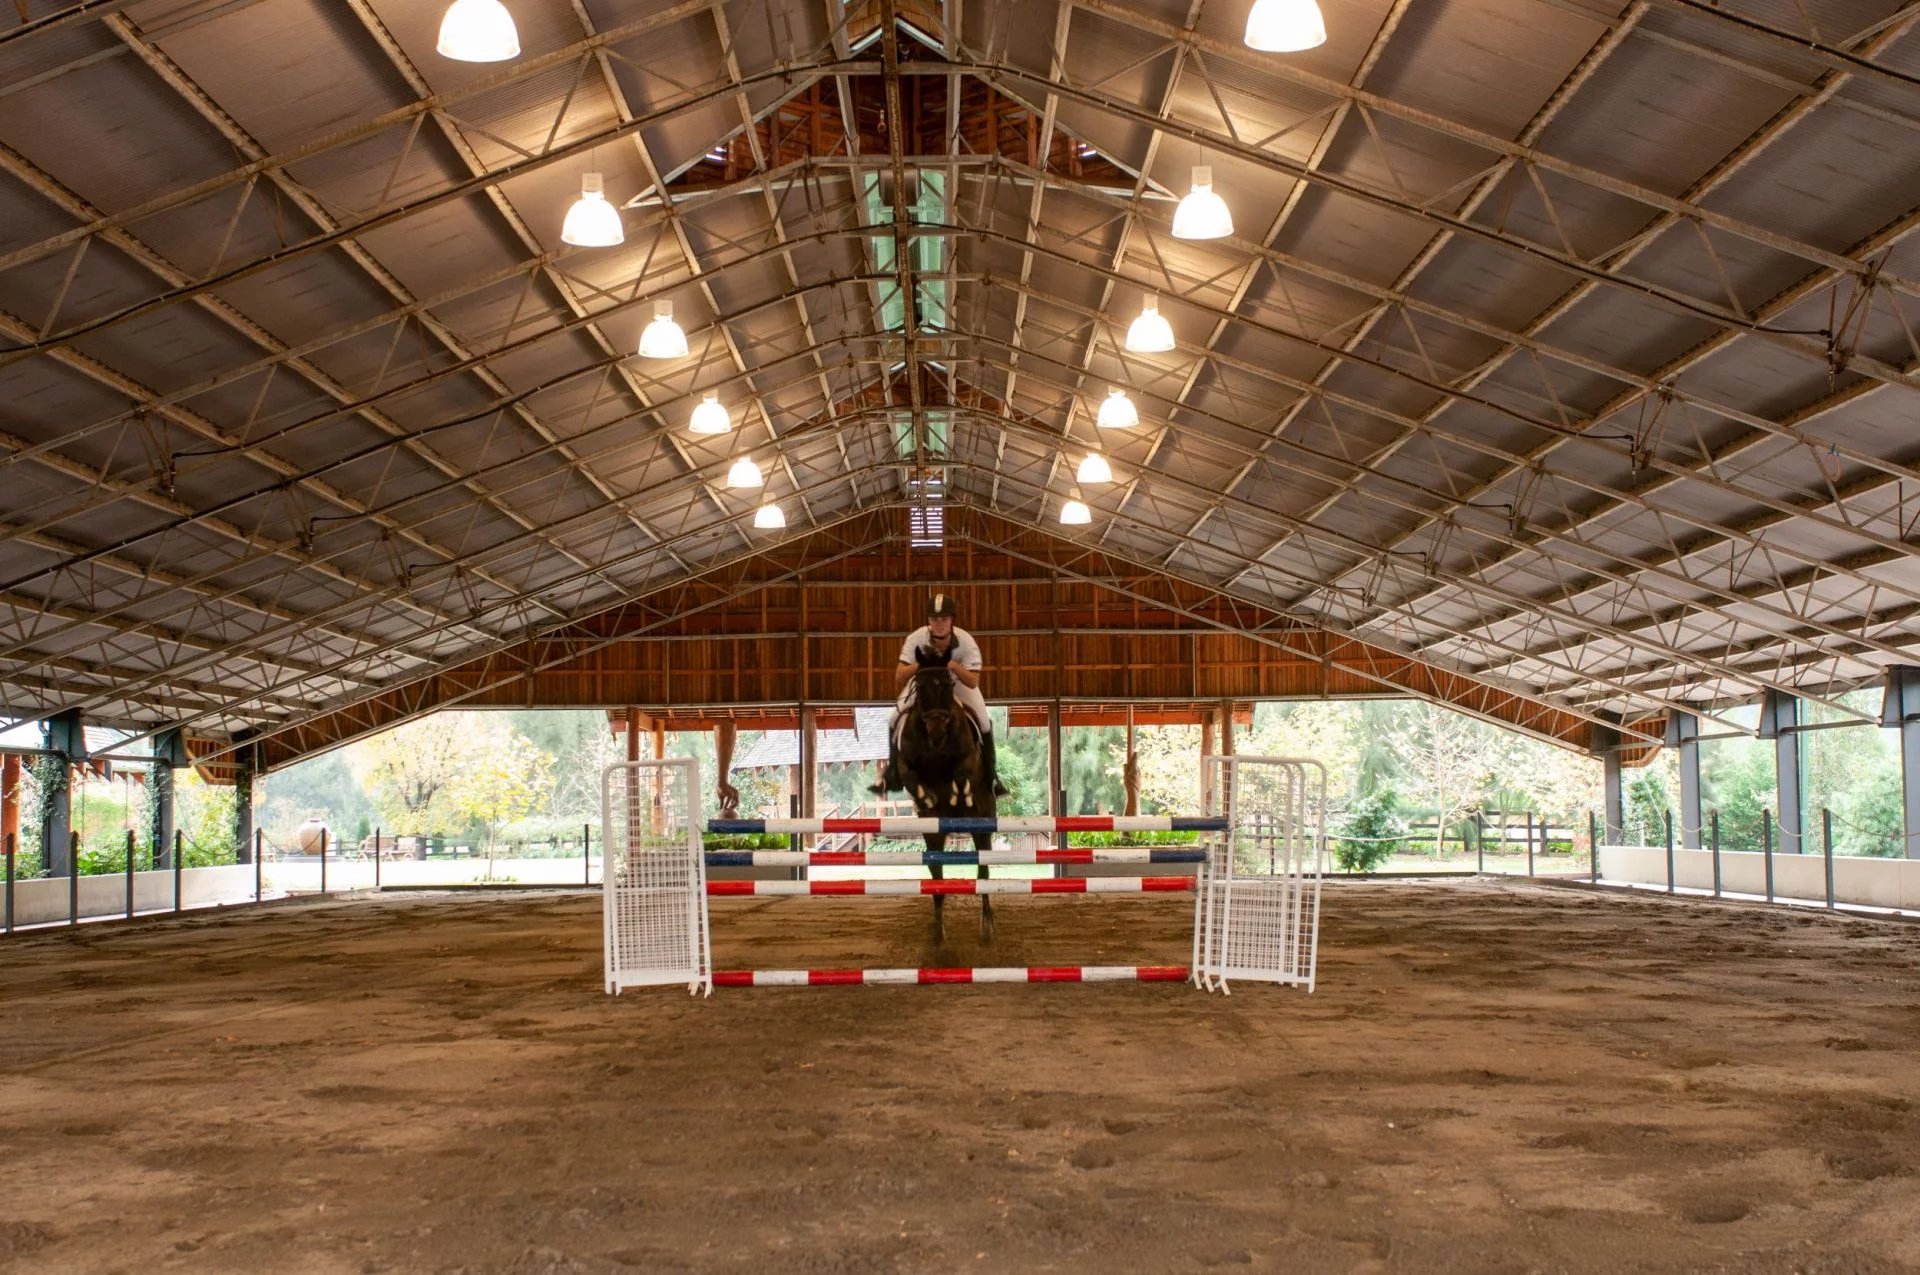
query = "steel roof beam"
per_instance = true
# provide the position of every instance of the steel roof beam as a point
(1418, 619)
(1162, 111)
(1322, 146)
(384, 279)
(1484, 189)
(1705, 187)
(417, 311)
(516, 226)
(1357, 405)
(145, 398)
(448, 575)
(1262, 635)
(522, 68)
(1261, 371)
(1513, 151)
(519, 544)
(1678, 590)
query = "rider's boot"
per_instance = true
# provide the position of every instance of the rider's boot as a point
(991, 766)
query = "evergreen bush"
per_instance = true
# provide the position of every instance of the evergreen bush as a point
(1370, 833)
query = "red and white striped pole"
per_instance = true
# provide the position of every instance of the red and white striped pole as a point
(977, 974)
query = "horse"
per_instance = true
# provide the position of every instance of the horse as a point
(943, 771)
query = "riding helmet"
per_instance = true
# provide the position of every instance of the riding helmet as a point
(941, 604)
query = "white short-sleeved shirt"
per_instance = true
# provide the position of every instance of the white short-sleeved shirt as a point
(966, 651)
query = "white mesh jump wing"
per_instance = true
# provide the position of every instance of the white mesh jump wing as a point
(656, 881)
(1257, 908)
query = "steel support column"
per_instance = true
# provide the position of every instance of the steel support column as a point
(809, 763)
(1780, 722)
(1056, 797)
(1603, 742)
(1900, 709)
(66, 735)
(243, 840)
(1683, 734)
(169, 753)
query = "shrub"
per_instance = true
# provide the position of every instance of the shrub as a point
(1110, 840)
(1371, 832)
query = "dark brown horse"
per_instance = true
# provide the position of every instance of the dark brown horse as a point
(942, 770)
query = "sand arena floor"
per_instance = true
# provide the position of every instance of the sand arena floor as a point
(1492, 1077)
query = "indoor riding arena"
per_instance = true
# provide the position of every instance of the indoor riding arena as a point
(960, 635)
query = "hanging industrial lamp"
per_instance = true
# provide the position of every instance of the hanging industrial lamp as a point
(1074, 513)
(769, 517)
(1117, 412)
(1150, 333)
(745, 474)
(710, 416)
(478, 31)
(592, 222)
(1285, 26)
(1094, 469)
(1202, 214)
(663, 338)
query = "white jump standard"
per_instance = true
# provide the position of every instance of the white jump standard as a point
(1257, 891)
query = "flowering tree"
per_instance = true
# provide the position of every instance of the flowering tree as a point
(504, 779)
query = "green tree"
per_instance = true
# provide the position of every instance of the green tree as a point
(409, 772)
(1026, 792)
(1169, 758)
(502, 778)
(1648, 800)
(1370, 835)
(1376, 765)
(1737, 780)
(1870, 821)
(1088, 770)
(1445, 760)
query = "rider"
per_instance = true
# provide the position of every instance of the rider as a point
(941, 637)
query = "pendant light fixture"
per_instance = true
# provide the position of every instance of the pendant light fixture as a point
(478, 31)
(1094, 469)
(1285, 26)
(710, 416)
(1202, 214)
(1117, 412)
(769, 517)
(745, 474)
(592, 222)
(1074, 513)
(1150, 333)
(663, 338)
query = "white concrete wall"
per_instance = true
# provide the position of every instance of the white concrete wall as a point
(39, 901)
(1880, 883)
(299, 876)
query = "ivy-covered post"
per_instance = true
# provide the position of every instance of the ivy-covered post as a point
(67, 739)
(1900, 710)
(1604, 742)
(1780, 722)
(1683, 735)
(243, 840)
(169, 753)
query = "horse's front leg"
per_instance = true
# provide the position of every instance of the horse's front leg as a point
(935, 842)
(983, 842)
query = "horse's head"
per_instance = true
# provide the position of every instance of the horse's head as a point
(933, 700)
